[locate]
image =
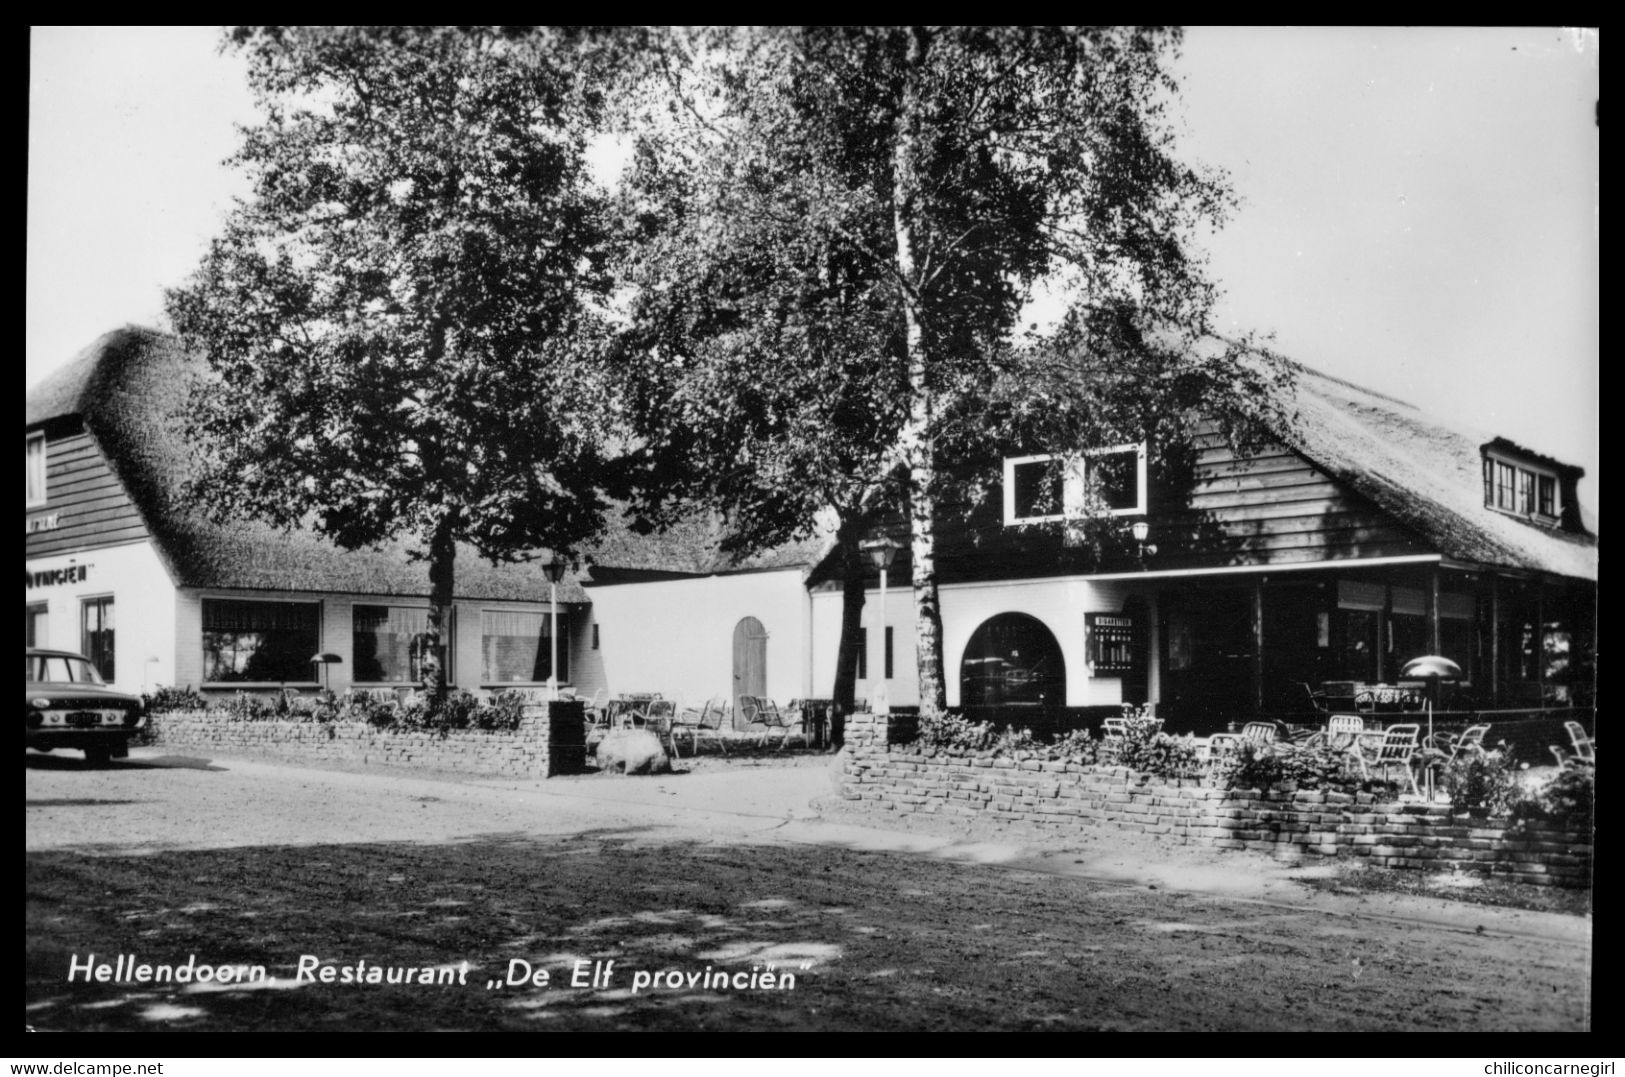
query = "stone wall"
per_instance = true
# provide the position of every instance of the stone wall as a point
(1069, 797)
(550, 740)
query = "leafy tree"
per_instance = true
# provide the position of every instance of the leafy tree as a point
(760, 355)
(401, 321)
(903, 191)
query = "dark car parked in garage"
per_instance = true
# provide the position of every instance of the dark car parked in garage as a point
(69, 706)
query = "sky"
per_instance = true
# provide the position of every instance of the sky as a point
(1419, 206)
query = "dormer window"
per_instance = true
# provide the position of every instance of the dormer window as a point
(34, 469)
(1048, 487)
(1521, 489)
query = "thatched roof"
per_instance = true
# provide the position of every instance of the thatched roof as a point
(1427, 473)
(129, 389)
(693, 547)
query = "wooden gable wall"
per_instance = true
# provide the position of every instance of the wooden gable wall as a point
(85, 495)
(1273, 507)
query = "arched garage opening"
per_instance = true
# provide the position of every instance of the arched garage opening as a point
(1012, 660)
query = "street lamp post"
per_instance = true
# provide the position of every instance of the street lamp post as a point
(881, 551)
(554, 568)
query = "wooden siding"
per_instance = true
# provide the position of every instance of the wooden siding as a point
(1273, 507)
(85, 495)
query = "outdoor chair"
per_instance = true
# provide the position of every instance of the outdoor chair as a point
(1470, 739)
(658, 716)
(1396, 750)
(1583, 750)
(1343, 731)
(711, 717)
(1113, 727)
(1259, 732)
(1219, 746)
(762, 711)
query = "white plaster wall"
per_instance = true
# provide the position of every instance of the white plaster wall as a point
(676, 636)
(903, 689)
(144, 602)
(1059, 604)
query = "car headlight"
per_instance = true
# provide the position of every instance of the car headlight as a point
(42, 703)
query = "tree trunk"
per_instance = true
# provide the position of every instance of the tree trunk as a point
(853, 594)
(442, 567)
(915, 437)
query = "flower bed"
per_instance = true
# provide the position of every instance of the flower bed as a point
(1059, 786)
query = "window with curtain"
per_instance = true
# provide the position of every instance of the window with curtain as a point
(516, 647)
(389, 644)
(263, 642)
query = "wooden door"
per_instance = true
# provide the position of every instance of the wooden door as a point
(750, 663)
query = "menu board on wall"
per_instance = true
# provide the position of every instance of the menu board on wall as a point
(1110, 643)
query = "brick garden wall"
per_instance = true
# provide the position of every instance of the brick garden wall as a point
(550, 740)
(1069, 797)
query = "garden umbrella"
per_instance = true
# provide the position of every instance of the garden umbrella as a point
(1434, 668)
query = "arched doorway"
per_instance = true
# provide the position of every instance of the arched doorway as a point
(1012, 660)
(750, 662)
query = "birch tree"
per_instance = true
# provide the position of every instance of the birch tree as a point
(954, 170)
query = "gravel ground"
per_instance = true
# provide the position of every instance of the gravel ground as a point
(732, 867)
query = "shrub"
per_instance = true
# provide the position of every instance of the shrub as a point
(1568, 799)
(245, 707)
(1145, 748)
(1262, 766)
(955, 731)
(175, 699)
(1482, 783)
(503, 711)
(1077, 747)
(366, 708)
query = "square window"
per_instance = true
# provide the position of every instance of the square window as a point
(247, 641)
(1046, 487)
(1505, 480)
(1524, 491)
(34, 468)
(1114, 477)
(389, 644)
(1037, 488)
(516, 647)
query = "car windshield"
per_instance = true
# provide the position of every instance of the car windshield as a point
(60, 669)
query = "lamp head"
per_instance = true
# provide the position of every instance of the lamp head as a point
(881, 551)
(553, 568)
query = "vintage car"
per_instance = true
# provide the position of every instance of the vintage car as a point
(69, 706)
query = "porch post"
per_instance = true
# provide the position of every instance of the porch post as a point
(1153, 660)
(1258, 647)
(1540, 639)
(1433, 614)
(1495, 640)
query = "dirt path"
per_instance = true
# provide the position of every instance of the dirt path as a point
(723, 869)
